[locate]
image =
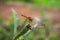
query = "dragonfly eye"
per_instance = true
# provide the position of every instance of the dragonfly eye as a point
(30, 19)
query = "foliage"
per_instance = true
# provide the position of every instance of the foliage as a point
(8, 30)
(15, 18)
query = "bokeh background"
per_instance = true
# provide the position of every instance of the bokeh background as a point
(50, 9)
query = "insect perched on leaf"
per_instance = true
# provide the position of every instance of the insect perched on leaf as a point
(26, 27)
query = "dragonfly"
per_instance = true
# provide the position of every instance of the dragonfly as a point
(26, 27)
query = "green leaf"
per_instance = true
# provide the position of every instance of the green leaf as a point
(14, 14)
